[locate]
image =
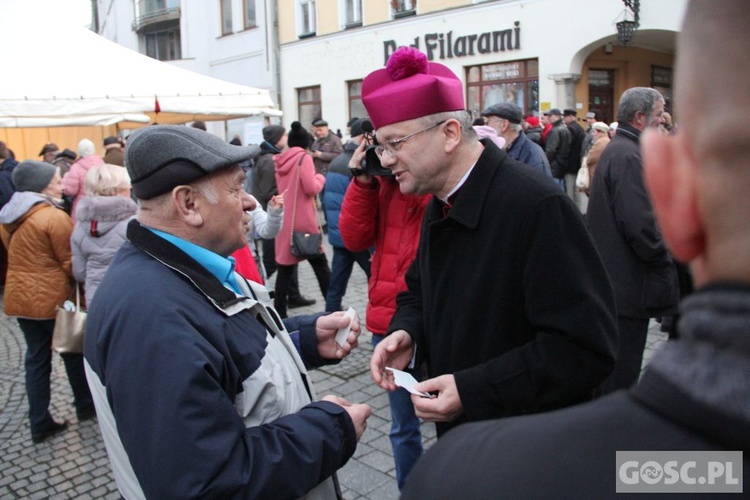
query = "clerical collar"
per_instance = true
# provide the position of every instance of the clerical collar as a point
(448, 200)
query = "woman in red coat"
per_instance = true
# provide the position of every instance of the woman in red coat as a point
(295, 174)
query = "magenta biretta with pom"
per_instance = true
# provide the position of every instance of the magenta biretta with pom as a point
(410, 87)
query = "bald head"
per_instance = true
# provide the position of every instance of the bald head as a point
(699, 178)
(711, 108)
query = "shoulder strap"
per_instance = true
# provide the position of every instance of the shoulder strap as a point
(296, 192)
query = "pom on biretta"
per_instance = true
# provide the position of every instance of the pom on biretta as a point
(410, 87)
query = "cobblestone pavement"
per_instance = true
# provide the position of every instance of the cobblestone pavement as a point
(74, 464)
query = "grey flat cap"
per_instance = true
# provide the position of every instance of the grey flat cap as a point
(505, 110)
(161, 157)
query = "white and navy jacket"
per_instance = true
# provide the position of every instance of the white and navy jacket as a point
(201, 392)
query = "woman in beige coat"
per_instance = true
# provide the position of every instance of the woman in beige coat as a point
(601, 139)
(36, 232)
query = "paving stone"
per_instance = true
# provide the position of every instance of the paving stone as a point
(74, 464)
(379, 460)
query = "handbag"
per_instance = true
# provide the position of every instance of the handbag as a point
(304, 245)
(582, 179)
(67, 337)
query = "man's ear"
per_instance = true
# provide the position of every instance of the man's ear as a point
(671, 174)
(452, 133)
(187, 203)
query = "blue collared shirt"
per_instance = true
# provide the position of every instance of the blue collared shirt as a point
(221, 267)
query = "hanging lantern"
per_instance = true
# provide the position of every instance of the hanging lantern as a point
(625, 31)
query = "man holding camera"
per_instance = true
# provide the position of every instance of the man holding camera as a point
(507, 300)
(376, 213)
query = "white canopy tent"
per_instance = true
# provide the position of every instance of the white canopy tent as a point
(77, 78)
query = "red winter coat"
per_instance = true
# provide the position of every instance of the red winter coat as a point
(310, 184)
(245, 265)
(378, 214)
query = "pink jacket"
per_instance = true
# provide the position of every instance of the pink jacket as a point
(303, 191)
(73, 181)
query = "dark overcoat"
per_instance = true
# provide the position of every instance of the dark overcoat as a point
(624, 228)
(509, 294)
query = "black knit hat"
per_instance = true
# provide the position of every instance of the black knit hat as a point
(299, 137)
(273, 134)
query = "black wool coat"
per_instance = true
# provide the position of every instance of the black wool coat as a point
(509, 295)
(624, 228)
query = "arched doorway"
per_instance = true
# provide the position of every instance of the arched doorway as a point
(607, 69)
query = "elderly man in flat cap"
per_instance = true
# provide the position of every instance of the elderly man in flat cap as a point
(200, 388)
(113, 152)
(557, 143)
(48, 152)
(506, 118)
(326, 147)
(507, 300)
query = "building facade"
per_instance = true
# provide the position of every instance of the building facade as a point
(538, 54)
(312, 55)
(233, 40)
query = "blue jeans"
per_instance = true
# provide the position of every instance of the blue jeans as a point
(38, 364)
(406, 437)
(341, 270)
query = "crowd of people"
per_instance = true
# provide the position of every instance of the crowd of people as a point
(46, 253)
(521, 312)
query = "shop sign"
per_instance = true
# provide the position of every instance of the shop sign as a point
(448, 46)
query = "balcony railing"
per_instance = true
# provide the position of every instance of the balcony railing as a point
(149, 12)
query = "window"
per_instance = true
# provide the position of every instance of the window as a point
(356, 107)
(661, 80)
(250, 20)
(226, 17)
(514, 81)
(353, 14)
(164, 45)
(602, 93)
(403, 8)
(306, 18)
(308, 100)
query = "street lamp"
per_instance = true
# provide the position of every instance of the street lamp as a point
(626, 28)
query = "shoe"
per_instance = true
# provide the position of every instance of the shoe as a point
(300, 301)
(55, 428)
(86, 414)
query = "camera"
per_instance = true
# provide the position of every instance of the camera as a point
(370, 164)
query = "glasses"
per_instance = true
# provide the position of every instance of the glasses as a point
(393, 146)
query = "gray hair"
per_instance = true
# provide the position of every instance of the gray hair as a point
(637, 100)
(159, 207)
(205, 186)
(462, 116)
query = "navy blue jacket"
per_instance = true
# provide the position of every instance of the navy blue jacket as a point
(526, 151)
(337, 182)
(173, 358)
(6, 180)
